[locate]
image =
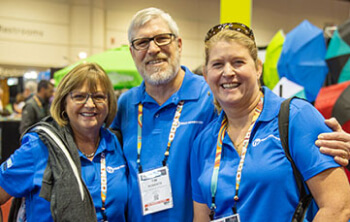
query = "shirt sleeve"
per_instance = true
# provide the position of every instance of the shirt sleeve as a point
(195, 164)
(306, 123)
(20, 171)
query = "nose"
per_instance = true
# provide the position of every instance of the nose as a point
(89, 102)
(228, 70)
(153, 47)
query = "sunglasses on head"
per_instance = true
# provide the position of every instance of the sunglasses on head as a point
(235, 26)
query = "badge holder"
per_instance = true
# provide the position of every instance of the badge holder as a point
(232, 218)
(155, 190)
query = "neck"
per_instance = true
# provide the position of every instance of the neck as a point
(239, 122)
(241, 112)
(87, 142)
(162, 92)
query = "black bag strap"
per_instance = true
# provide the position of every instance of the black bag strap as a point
(14, 208)
(283, 126)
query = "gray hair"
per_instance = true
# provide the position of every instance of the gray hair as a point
(145, 15)
(31, 86)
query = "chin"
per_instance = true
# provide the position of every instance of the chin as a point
(93, 124)
(229, 101)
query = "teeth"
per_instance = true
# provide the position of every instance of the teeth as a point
(154, 61)
(229, 85)
(88, 114)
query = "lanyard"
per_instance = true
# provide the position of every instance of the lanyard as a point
(103, 185)
(38, 102)
(173, 129)
(215, 175)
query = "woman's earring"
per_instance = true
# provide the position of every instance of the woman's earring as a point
(64, 115)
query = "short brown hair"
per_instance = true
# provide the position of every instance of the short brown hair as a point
(89, 73)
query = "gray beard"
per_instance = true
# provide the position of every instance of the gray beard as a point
(159, 77)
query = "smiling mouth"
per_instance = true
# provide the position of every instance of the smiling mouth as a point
(230, 85)
(88, 114)
(155, 61)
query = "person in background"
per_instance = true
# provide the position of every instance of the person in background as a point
(83, 108)
(37, 107)
(238, 166)
(30, 89)
(198, 70)
(19, 103)
(16, 108)
(160, 119)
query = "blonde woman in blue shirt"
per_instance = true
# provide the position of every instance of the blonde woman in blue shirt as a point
(239, 170)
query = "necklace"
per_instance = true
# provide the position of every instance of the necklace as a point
(89, 155)
(237, 146)
(93, 153)
(234, 142)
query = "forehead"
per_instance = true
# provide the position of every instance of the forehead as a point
(227, 48)
(89, 86)
(153, 27)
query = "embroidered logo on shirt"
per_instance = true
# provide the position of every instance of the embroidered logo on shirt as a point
(6, 165)
(112, 169)
(258, 141)
(191, 122)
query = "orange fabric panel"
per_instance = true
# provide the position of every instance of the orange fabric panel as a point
(6, 210)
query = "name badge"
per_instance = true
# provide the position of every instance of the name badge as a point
(232, 218)
(155, 189)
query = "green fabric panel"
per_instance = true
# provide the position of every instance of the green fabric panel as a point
(273, 52)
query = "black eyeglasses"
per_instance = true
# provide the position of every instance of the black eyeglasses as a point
(82, 98)
(235, 26)
(159, 40)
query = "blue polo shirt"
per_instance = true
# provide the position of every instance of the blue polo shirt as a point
(197, 112)
(21, 176)
(268, 190)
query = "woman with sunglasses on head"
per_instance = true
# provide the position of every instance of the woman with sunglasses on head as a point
(239, 170)
(70, 162)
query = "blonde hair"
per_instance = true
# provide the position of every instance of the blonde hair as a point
(89, 73)
(231, 36)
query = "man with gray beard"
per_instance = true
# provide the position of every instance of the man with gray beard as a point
(160, 119)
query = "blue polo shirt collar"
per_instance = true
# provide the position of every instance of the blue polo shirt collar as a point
(270, 111)
(186, 91)
(271, 106)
